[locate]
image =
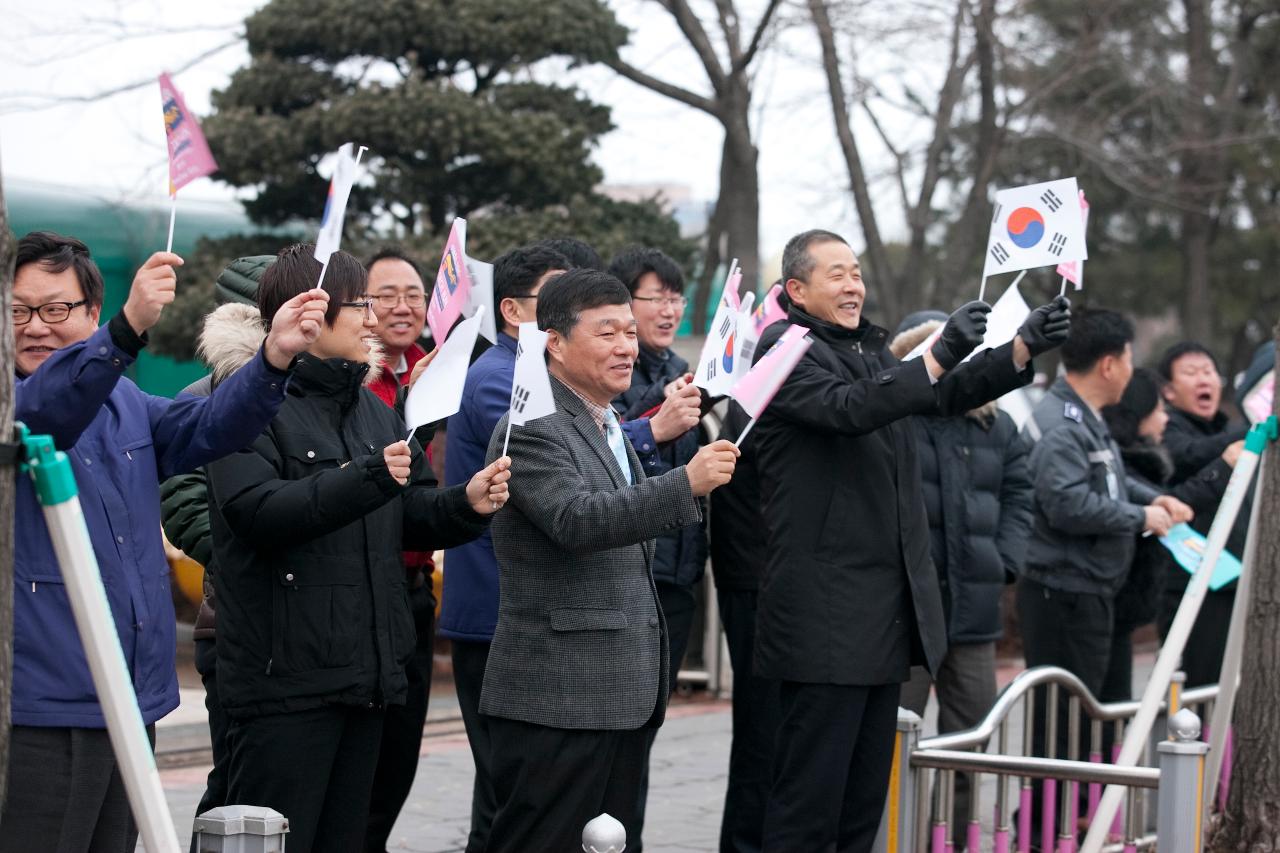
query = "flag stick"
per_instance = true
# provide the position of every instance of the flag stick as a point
(173, 214)
(323, 269)
(743, 437)
(507, 439)
(409, 437)
(982, 290)
(360, 153)
(1063, 291)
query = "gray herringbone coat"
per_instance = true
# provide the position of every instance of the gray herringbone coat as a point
(581, 642)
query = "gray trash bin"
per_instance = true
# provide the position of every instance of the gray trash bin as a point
(241, 829)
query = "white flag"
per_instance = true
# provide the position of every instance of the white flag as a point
(482, 294)
(1039, 225)
(438, 392)
(748, 337)
(531, 395)
(335, 206)
(717, 365)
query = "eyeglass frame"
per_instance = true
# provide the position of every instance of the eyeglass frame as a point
(38, 311)
(378, 297)
(366, 304)
(677, 302)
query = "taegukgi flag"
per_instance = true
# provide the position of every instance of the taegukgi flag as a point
(717, 367)
(452, 290)
(763, 380)
(329, 239)
(752, 325)
(438, 392)
(531, 396)
(1073, 271)
(189, 154)
(1039, 225)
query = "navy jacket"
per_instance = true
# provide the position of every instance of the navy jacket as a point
(977, 493)
(680, 556)
(122, 443)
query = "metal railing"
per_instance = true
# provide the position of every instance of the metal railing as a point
(1162, 795)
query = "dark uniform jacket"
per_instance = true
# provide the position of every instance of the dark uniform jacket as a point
(738, 543)
(1086, 510)
(977, 492)
(850, 591)
(680, 557)
(308, 529)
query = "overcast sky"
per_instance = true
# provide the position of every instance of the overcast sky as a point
(59, 50)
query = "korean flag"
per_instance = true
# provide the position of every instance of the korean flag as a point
(1039, 225)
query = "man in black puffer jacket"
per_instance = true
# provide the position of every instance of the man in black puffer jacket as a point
(977, 493)
(309, 524)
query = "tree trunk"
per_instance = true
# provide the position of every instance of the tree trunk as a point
(740, 191)
(8, 479)
(1252, 819)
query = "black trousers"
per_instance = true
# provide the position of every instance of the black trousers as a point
(402, 731)
(831, 767)
(1207, 643)
(1072, 630)
(215, 786)
(756, 716)
(314, 767)
(66, 794)
(679, 605)
(469, 660)
(549, 782)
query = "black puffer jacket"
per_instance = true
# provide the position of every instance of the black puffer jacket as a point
(977, 493)
(308, 530)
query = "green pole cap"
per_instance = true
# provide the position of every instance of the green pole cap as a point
(49, 467)
(1262, 432)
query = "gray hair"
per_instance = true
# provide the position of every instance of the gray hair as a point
(797, 263)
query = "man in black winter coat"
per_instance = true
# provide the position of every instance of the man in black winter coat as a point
(1197, 433)
(850, 595)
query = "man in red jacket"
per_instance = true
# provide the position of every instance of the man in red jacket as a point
(400, 305)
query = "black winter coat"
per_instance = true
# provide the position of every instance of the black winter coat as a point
(738, 543)
(308, 530)
(850, 595)
(679, 557)
(977, 493)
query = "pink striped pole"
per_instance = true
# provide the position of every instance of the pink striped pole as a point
(1024, 819)
(1000, 842)
(1225, 782)
(1048, 813)
(1095, 788)
(939, 842)
(973, 838)
(1117, 825)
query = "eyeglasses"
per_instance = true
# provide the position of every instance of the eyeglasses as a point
(413, 299)
(365, 305)
(50, 312)
(663, 301)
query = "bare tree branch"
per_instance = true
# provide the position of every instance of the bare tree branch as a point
(699, 40)
(12, 103)
(757, 38)
(670, 90)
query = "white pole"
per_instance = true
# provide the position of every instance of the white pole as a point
(743, 437)
(507, 439)
(323, 269)
(1135, 736)
(173, 214)
(982, 290)
(1063, 290)
(111, 679)
(1229, 677)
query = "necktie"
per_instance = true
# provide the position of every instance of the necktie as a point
(618, 444)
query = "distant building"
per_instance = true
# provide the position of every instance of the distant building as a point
(676, 199)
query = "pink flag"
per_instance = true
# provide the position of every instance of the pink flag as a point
(189, 155)
(763, 380)
(768, 311)
(1073, 271)
(453, 284)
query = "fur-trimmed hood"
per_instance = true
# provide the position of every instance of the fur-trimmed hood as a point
(233, 333)
(909, 339)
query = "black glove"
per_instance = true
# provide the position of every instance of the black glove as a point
(1047, 326)
(963, 333)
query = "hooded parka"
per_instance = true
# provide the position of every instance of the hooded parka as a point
(308, 531)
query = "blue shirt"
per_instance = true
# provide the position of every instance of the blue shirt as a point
(121, 443)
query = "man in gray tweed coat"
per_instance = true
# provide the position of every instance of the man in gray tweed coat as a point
(579, 665)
